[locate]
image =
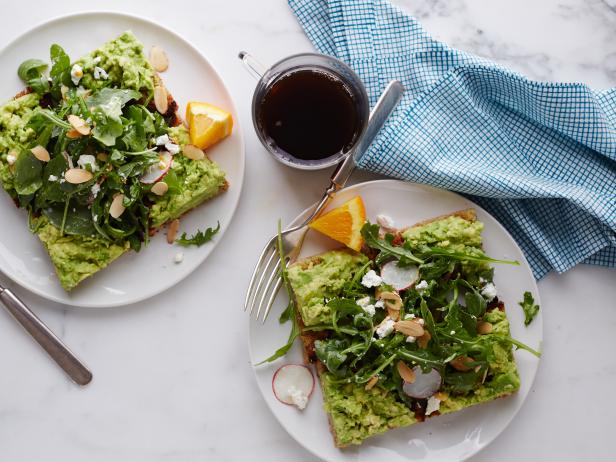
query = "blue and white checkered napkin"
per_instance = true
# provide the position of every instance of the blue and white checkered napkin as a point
(540, 157)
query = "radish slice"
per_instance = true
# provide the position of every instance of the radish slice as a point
(293, 384)
(399, 277)
(425, 384)
(157, 171)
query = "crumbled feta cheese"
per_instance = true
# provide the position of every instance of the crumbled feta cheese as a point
(96, 60)
(95, 218)
(369, 309)
(99, 73)
(172, 148)
(489, 291)
(453, 332)
(386, 222)
(421, 321)
(76, 74)
(482, 280)
(411, 339)
(423, 285)
(366, 305)
(52, 178)
(11, 159)
(86, 160)
(299, 399)
(434, 404)
(371, 279)
(385, 328)
(162, 140)
(380, 304)
(409, 316)
(179, 257)
(95, 189)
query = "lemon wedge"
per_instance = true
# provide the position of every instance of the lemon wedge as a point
(207, 124)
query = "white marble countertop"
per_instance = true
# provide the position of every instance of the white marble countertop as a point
(168, 387)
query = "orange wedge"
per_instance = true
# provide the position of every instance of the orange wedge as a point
(207, 124)
(344, 223)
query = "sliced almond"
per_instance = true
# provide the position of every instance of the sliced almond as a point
(422, 342)
(40, 153)
(63, 91)
(371, 383)
(484, 327)
(460, 363)
(116, 209)
(158, 59)
(73, 133)
(160, 99)
(193, 152)
(393, 314)
(160, 188)
(172, 231)
(392, 300)
(77, 175)
(409, 328)
(79, 124)
(405, 372)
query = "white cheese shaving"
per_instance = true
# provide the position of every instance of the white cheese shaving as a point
(434, 404)
(371, 279)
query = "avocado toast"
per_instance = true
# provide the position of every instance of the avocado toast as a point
(95, 154)
(409, 328)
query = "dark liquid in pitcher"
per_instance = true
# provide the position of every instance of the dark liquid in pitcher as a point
(310, 114)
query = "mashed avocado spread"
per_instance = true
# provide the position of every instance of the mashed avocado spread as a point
(124, 68)
(320, 279)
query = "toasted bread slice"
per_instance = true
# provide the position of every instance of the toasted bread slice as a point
(77, 257)
(345, 432)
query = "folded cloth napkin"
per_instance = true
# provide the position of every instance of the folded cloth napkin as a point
(540, 157)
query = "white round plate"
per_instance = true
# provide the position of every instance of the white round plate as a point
(134, 276)
(447, 438)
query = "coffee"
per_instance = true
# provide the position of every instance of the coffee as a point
(309, 114)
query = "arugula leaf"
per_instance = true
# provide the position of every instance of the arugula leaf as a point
(475, 303)
(44, 117)
(464, 382)
(436, 268)
(60, 72)
(77, 222)
(332, 353)
(291, 310)
(106, 108)
(31, 72)
(529, 307)
(199, 238)
(476, 256)
(28, 174)
(370, 233)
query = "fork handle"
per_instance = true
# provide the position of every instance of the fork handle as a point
(379, 114)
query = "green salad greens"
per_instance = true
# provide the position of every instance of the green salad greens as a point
(363, 328)
(530, 308)
(106, 136)
(199, 238)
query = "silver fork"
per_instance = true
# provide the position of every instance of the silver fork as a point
(266, 281)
